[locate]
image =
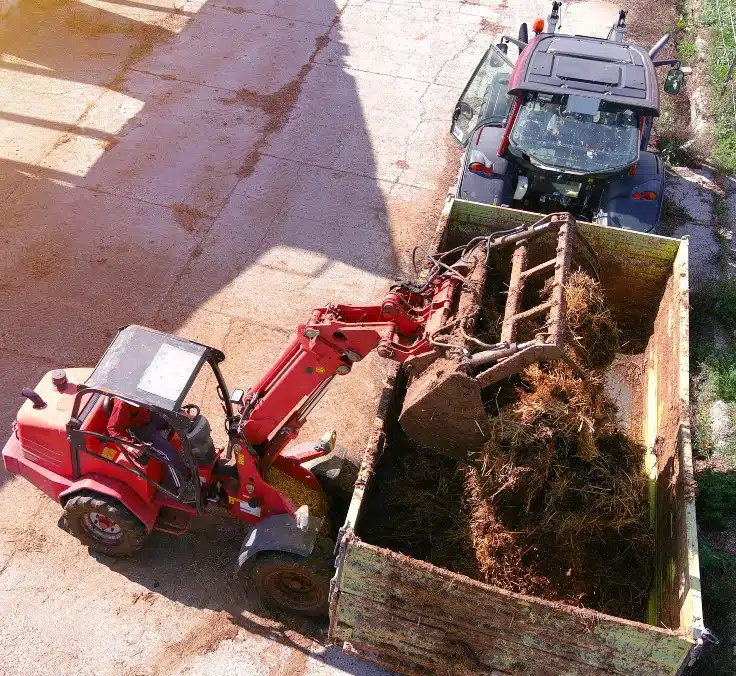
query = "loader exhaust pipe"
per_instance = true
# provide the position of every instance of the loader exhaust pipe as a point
(659, 45)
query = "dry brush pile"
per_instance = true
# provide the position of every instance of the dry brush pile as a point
(557, 505)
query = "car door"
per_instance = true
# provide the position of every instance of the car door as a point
(485, 98)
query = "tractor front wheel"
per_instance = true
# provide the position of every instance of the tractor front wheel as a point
(104, 525)
(291, 583)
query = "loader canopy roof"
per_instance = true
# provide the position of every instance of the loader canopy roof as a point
(564, 64)
(151, 368)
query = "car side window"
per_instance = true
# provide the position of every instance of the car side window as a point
(485, 97)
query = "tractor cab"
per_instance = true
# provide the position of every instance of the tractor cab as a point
(566, 127)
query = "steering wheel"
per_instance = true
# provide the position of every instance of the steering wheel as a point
(195, 418)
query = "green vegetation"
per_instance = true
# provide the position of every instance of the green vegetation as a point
(716, 500)
(675, 146)
(714, 301)
(713, 308)
(715, 15)
(673, 216)
(716, 506)
(687, 52)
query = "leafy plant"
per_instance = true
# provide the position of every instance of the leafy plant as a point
(716, 500)
(687, 51)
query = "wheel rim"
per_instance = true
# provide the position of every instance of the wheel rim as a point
(293, 589)
(101, 527)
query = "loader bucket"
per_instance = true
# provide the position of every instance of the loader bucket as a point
(443, 411)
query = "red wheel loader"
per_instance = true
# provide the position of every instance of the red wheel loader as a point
(114, 492)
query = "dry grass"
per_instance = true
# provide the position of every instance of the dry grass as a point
(557, 506)
(297, 492)
(559, 503)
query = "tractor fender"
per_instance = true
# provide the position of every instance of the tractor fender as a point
(495, 188)
(621, 210)
(113, 488)
(294, 533)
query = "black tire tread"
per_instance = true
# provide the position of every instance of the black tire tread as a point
(270, 558)
(133, 529)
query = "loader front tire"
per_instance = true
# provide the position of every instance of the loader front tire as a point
(290, 583)
(104, 525)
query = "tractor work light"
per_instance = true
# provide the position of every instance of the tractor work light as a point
(480, 168)
(648, 195)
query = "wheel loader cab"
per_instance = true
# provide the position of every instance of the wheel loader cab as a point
(152, 372)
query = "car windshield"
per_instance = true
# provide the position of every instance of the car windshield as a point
(577, 134)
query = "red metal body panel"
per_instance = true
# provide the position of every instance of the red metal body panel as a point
(504, 145)
(106, 485)
(273, 411)
(42, 431)
(330, 342)
(60, 488)
(48, 481)
(520, 66)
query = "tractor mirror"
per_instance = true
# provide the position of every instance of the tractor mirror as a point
(674, 81)
(523, 33)
(502, 47)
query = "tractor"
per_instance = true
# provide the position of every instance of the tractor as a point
(566, 127)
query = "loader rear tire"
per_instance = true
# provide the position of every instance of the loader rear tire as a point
(104, 525)
(290, 583)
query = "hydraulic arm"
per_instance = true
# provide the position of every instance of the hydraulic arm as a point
(405, 328)
(329, 344)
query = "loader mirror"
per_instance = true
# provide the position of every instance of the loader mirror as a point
(674, 81)
(502, 47)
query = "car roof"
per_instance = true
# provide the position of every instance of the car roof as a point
(572, 64)
(149, 367)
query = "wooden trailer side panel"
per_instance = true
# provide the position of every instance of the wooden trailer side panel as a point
(412, 613)
(667, 431)
(417, 618)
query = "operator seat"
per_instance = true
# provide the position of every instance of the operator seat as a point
(199, 436)
(107, 404)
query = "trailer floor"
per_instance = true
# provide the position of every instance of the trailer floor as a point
(216, 169)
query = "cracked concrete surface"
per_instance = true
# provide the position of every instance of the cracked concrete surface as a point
(216, 169)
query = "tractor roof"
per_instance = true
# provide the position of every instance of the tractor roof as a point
(150, 368)
(602, 69)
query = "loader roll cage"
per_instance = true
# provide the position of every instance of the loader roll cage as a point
(155, 371)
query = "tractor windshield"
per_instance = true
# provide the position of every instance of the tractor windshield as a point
(577, 133)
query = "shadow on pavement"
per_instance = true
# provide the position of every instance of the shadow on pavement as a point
(175, 167)
(198, 570)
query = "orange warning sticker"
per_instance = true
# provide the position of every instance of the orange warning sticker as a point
(109, 452)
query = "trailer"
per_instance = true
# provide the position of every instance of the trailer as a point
(414, 617)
